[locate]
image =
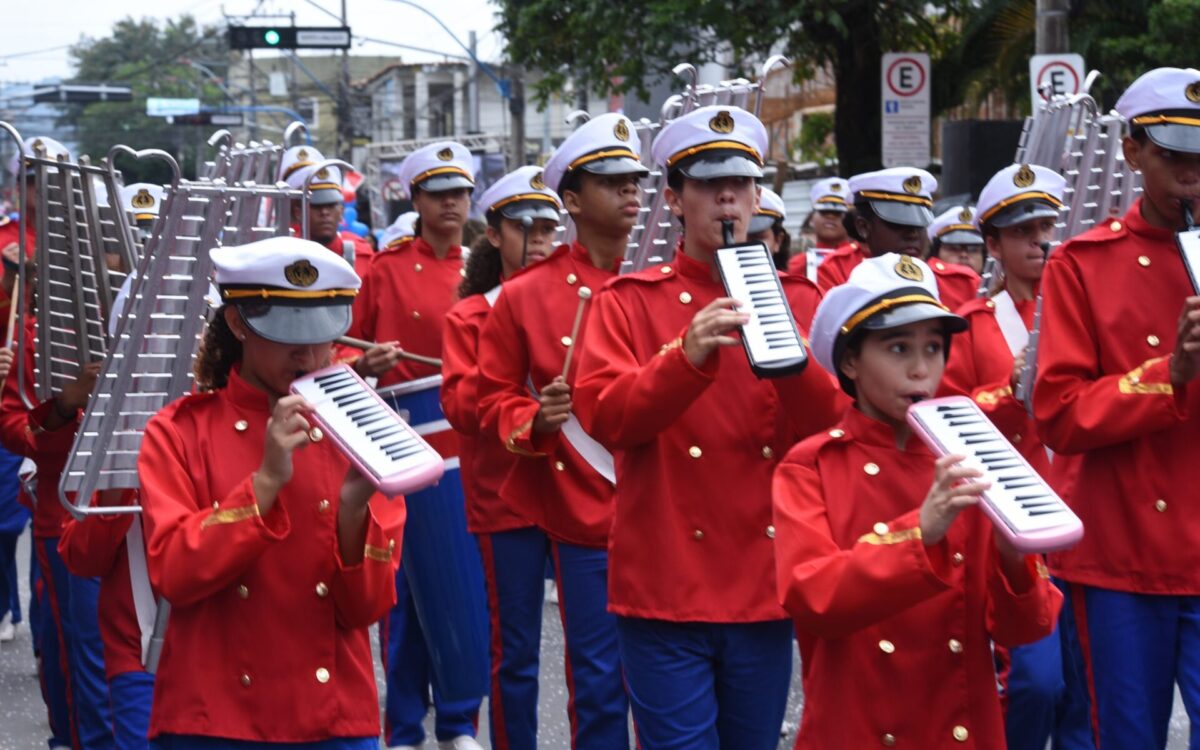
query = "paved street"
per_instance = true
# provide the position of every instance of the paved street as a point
(22, 716)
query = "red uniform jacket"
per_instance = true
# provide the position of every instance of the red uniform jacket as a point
(836, 267)
(895, 636)
(363, 254)
(1112, 298)
(95, 548)
(268, 636)
(524, 341)
(485, 462)
(981, 366)
(21, 432)
(405, 298)
(9, 235)
(694, 448)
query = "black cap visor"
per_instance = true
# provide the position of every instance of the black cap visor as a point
(761, 223)
(1175, 136)
(914, 313)
(1019, 213)
(907, 214)
(297, 324)
(961, 237)
(440, 183)
(711, 165)
(615, 165)
(534, 209)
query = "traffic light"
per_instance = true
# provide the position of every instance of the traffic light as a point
(289, 37)
(262, 37)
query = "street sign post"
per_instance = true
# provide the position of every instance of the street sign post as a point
(1061, 74)
(905, 109)
(289, 37)
(163, 107)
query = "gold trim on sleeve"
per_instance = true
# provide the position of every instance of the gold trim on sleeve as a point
(378, 554)
(230, 515)
(677, 343)
(511, 442)
(1131, 382)
(990, 398)
(891, 537)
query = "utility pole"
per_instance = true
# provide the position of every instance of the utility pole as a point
(472, 87)
(1052, 27)
(253, 97)
(516, 107)
(345, 129)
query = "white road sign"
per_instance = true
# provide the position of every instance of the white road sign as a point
(1061, 74)
(905, 109)
(160, 107)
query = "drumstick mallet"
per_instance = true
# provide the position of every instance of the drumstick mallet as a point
(585, 294)
(365, 345)
(526, 224)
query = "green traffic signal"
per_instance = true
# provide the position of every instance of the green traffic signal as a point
(271, 37)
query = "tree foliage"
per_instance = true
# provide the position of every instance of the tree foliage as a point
(154, 60)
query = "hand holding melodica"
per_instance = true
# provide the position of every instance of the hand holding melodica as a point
(948, 496)
(288, 429)
(710, 327)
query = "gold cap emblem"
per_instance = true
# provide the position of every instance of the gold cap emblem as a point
(722, 123)
(1192, 92)
(301, 273)
(301, 155)
(445, 154)
(143, 199)
(621, 130)
(964, 215)
(1024, 176)
(536, 182)
(38, 147)
(913, 185)
(323, 173)
(835, 187)
(907, 269)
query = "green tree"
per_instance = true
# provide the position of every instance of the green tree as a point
(155, 61)
(625, 46)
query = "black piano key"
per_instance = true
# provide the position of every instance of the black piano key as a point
(351, 398)
(340, 374)
(1045, 512)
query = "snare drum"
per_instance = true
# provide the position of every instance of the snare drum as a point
(441, 558)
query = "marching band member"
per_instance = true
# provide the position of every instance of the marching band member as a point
(112, 549)
(830, 201)
(512, 548)
(883, 584)
(266, 542)
(562, 479)
(1016, 215)
(1119, 355)
(72, 657)
(705, 646)
(954, 238)
(405, 298)
(325, 206)
(893, 208)
(766, 226)
(403, 303)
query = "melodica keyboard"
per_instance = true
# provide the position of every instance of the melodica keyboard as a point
(1020, 503)
(771, 338)
(386, 450)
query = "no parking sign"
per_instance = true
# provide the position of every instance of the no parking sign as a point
(1062, 75)
(905, 109)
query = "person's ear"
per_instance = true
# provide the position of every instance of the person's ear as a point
(572, 202)
(233, 319)
(863, 227)
(493, 236)
(675, 202)
(849, 365)
(1132, 148)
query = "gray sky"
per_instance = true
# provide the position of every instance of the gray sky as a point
(44, 28)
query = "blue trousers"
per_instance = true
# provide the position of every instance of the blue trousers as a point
(410, 676)
(88, 684)
(514, 565)
(194, 742)
(131, 694)
(705, 686)
(53, 616)
(10, 594)
(597, 705)
(1132, 650)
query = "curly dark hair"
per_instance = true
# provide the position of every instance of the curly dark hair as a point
(483, 268)
(219, 351)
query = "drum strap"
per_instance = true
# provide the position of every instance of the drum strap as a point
(491, 295)
(139, 578)
(348, 251)
(1011, 325)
